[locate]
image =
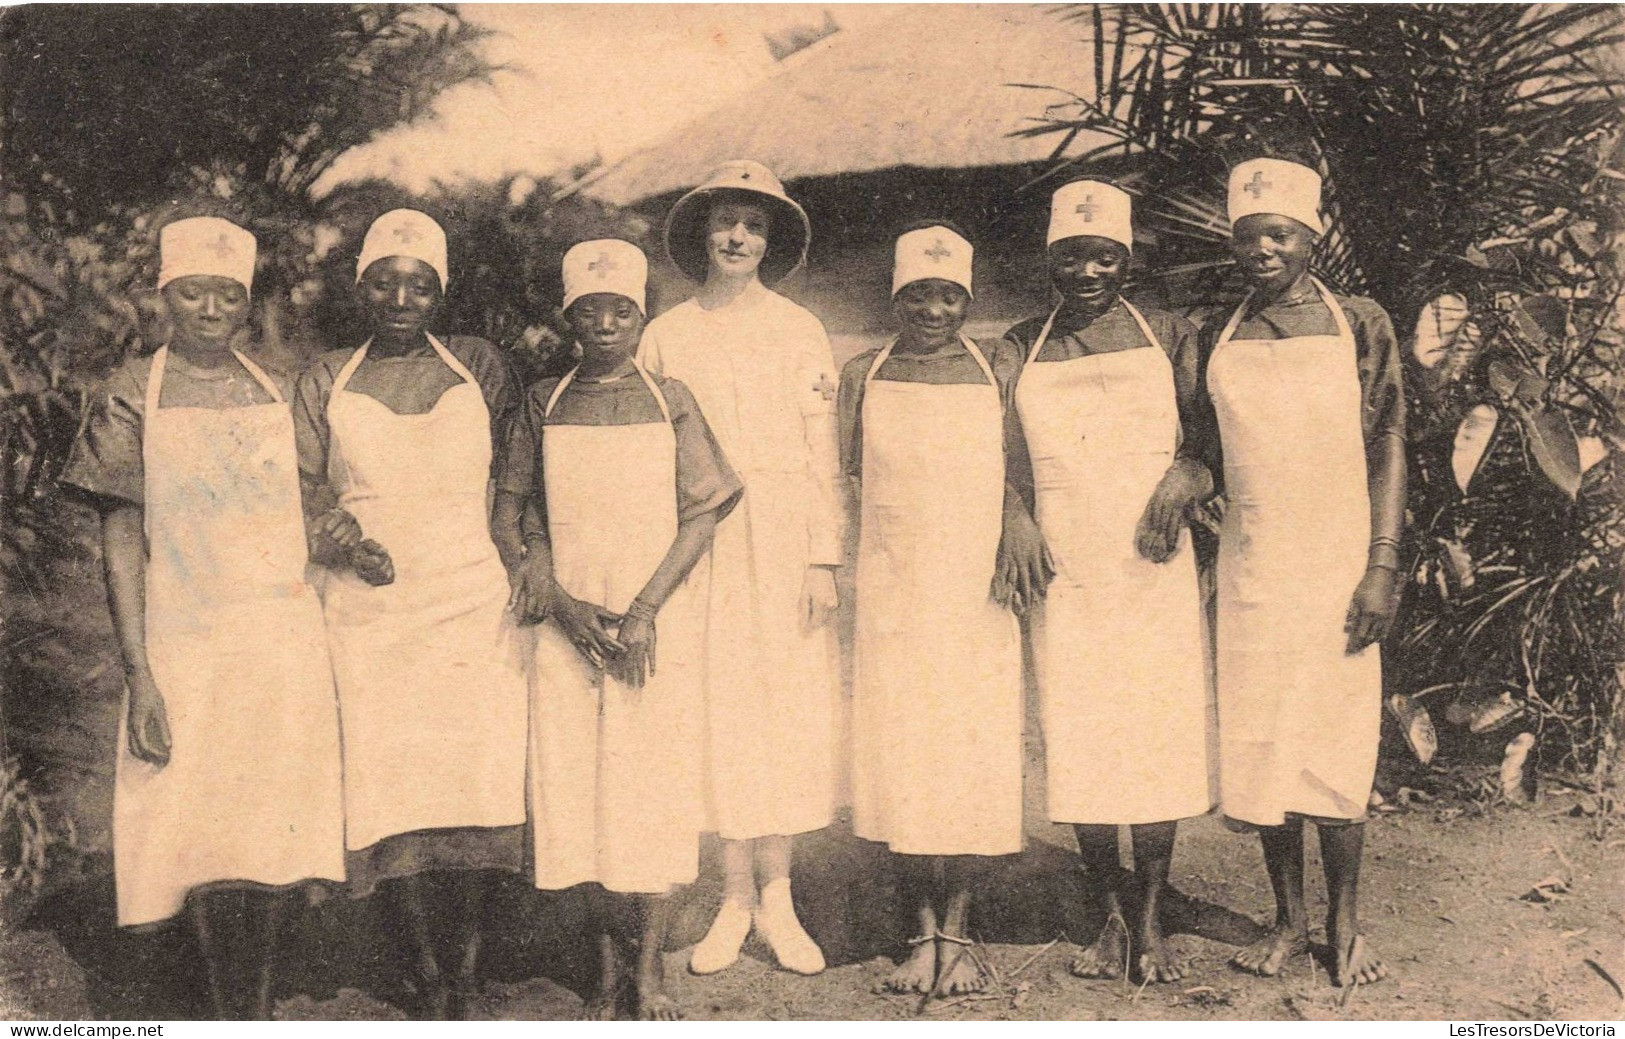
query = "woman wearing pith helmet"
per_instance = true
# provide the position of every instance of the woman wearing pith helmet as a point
(761, 369)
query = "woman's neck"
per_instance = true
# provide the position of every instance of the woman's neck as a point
(721, 289)
(1299, 287)
(912, 342)
(385, 345)
(604, 369)
(203, 355)
(1073, 316)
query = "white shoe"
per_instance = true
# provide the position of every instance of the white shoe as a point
(719, 949)
(790, 942)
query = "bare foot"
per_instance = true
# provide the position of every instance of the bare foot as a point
(434, 995)
(657, 1006)
(599, 1008)
(916, 974)
(1269, 954)
(1156, 963)
(1105, 958)
(1358, 964)
(605, 1003)
(961, 975)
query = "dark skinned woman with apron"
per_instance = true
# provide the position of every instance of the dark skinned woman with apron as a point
(1104, 400)
(227, 788)
(1308, 392)
(428, 662)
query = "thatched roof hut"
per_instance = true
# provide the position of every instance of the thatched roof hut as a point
(910, 118)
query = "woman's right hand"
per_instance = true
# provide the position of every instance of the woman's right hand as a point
(332, 536)
(587, 626)
(148, 722)
(530, 589)
(371, 563)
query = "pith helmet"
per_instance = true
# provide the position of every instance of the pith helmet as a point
(787, 237)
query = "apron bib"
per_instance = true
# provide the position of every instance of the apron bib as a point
(252, 791)
(937, 697)
(1117, 642)
(429, 668)
(615, 772)
(1298, 717)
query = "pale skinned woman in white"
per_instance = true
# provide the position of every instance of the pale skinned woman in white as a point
(761, 369)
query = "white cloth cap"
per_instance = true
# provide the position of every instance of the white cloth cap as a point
(605, 265)
(404, 232)
(205, 245)
(1090, 207)
(1276, 186)
(932, 252)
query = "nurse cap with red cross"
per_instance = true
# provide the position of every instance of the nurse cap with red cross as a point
(605, 265)
(1277, 187)
(932, 252)
(1091, 207)
(205, 245)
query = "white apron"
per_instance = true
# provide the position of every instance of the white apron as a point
(252, 791)
(430, 672)
(615, 773)
(937, 696)
(1298, 717)
(1117, 643)
(771, 685)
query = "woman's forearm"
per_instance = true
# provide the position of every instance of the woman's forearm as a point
(1385, 464)
(124, 560)
(693, 538)
(316, 499)
(507, 512)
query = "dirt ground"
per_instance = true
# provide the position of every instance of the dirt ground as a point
(1449, 900)
(1449, 890)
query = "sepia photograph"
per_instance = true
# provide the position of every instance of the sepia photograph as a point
(795, 512)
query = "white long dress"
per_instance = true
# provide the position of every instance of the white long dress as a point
(614, 772)
(761, 369)
(430, 668)
(1118, 642)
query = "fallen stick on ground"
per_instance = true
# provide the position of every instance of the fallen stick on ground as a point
(974, 997)
(1603, 973)
(1031, 959)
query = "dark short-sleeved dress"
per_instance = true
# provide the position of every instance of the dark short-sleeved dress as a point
(105, 465)
(616, 774)
(413, 385)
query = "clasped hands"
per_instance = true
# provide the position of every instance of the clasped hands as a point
(341, 531)
(623, 645)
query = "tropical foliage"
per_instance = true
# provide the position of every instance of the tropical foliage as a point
(1474, 181)
(117, 119)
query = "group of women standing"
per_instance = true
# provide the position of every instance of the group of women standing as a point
(397, 625)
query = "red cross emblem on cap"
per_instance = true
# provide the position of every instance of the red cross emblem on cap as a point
(1087, 207)
(938, 251)
(1258, 185)
(405, 234)
(222, 246)
(603, 265)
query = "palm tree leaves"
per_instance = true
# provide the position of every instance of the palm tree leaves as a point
(1436, 125)
(1474, 159)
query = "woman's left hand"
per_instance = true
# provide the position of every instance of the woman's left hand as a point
(1024, 566)
(819, 598)
(1371, 613)
(635, 664)
(1179, 493)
